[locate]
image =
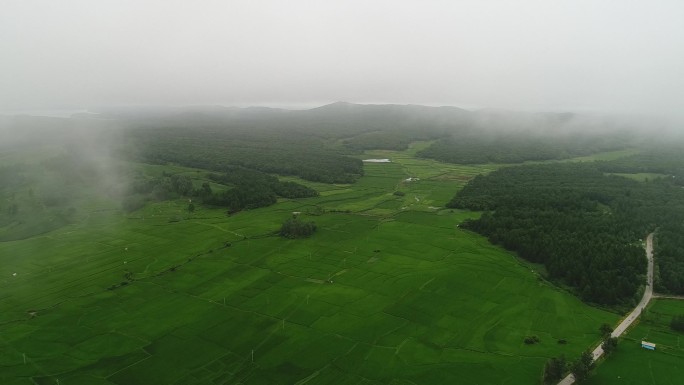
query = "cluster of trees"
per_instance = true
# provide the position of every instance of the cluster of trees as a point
(515, 148)
(248, 189)
(252, 189)
(531, 340)
(554, 370)
(583, 225)
(558, 367)
(167, 186)
(609, 345)
(296, 228)
(143, 189)
(581, 368)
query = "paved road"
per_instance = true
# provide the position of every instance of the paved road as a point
(627, 322)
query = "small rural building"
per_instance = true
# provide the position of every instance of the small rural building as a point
(648, 345)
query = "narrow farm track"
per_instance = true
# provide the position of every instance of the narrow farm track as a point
(627, 321)
(668, 296)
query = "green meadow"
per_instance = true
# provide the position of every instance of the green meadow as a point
(632, 364)
(389, 290)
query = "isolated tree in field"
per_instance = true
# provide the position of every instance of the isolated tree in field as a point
(531, 340)
(605, 330)
(554, 369)
(580, 369)
(609, 345)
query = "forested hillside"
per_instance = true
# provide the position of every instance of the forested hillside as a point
(515, 148)
(316, 144)
(583, 225)
(492, 136)
(665, 165)
(271, 151)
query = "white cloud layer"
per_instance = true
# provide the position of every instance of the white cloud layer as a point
(614, 56)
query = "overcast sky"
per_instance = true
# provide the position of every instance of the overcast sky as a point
(547, 55)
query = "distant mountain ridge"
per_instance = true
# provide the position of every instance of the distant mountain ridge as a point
(397, 114)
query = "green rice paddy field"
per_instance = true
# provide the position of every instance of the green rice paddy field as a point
(631, 364)
(388, 291)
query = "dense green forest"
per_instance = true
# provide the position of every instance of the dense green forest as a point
(667, 160)
(296, 228)
(284, 153)
(253, 189)
(316, 144)
(515, 148)
(246, 189)
(312, 144)
(582, 224)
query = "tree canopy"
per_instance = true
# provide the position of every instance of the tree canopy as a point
(296, 228)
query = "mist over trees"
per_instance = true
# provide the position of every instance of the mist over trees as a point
(319, 144)
(245, 148)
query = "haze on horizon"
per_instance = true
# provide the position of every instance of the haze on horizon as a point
(597, 56)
